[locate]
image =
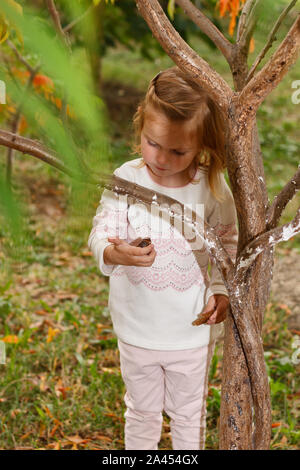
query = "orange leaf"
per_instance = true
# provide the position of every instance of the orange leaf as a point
(42, 81)
(42, 430)
(26, 435)
(48, 412)
(10, 339)
(54, 429)
(41, 312)
(276, 425)
(58, 103)
(23, 125)
(296, 332)
(102, 437)
(86, 253)
(252, 45)
(52, 332)
(233, 8)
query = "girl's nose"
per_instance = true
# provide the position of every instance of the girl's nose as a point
(162, 158)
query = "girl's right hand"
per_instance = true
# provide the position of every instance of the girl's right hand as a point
(121, 252)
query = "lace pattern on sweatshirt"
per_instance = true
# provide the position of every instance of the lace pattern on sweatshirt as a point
(110, 223)
(181, 271)
(175, 265)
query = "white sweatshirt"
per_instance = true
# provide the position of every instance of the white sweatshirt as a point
(154, 307)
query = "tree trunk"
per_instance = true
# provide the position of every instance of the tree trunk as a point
(248, 296)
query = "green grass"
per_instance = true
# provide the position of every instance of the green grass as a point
(68, 392)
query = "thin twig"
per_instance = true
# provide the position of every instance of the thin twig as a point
(56, 20)
(282, 199)
(245, 16)
(77, 20)
(271, 39)
(267, 240)
(208, 28)
(20, 57)
(262, 83)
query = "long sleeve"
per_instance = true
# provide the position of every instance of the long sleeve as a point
(224, 220)
(110, 221)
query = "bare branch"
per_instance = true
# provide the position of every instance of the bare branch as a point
(183, 55)
(270, 40)
(267, 240)
(34, 148)
(56, 20)
(247, 8)
(258, 88)
(31, 69)
(246, 25)
(77, 20)
(208, 28)
(282, 199)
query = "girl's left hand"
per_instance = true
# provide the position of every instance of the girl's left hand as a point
(220, 302)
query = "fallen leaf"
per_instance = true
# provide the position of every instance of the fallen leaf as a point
(102, 437)
(52, 332)
(54, 429)
(41, 312)
(43, 385)
(42, 430)
(15, 412)
(296, 332)
(77, 439)
(66, 296)
(61, 390)
(283, 440)
(108, 369)
(115, 417)
(26, 435)
(86, 253)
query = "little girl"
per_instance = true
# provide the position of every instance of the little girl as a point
(157, 291)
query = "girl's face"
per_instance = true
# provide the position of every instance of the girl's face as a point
(169, 149)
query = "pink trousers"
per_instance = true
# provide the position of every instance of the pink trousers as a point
(173, 381)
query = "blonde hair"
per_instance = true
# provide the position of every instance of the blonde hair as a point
(180, 98)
